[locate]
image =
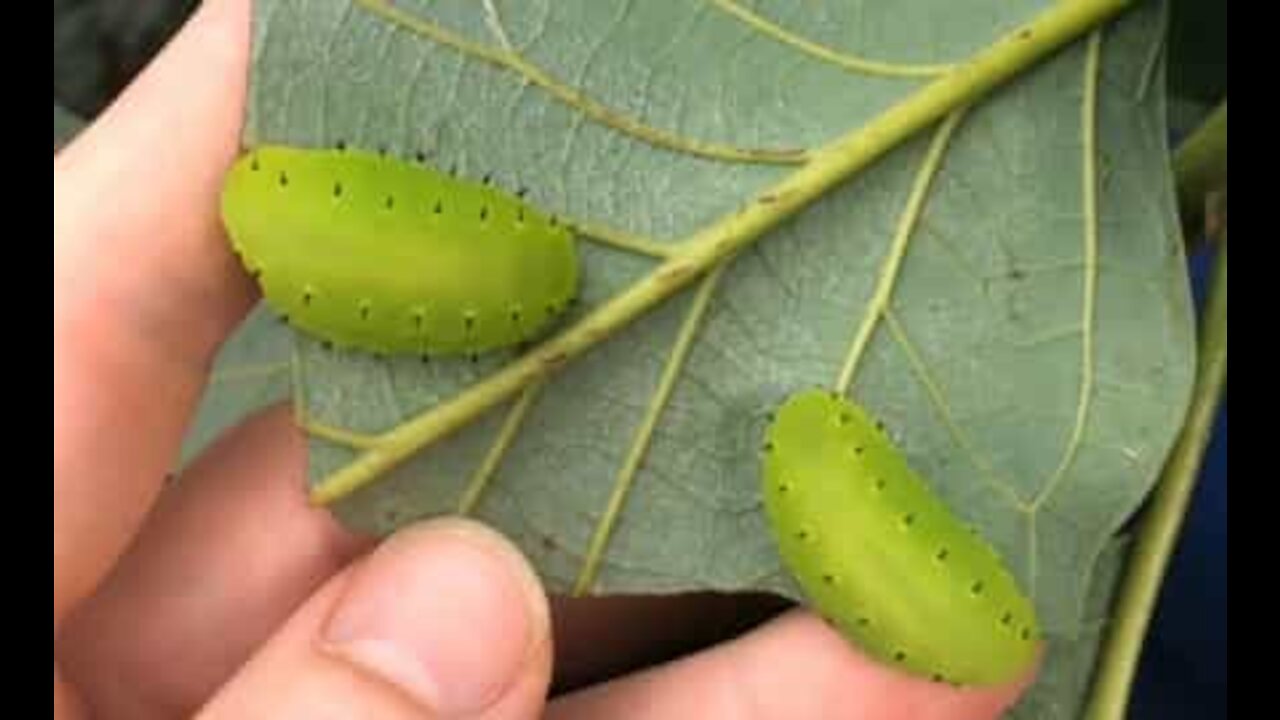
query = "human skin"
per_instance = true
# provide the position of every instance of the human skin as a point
(225, 594)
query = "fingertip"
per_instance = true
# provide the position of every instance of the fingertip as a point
(435, 535)
(448, 611)
(442, 620)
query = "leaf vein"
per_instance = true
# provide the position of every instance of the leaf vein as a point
(939, 402)
(892, 266)
(1090, 238)
(640, 445)
(576, 98)
(479, 481)
(844, 60)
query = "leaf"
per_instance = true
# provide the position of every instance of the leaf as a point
(1069, 666)
(251, 372)
(1030, 349)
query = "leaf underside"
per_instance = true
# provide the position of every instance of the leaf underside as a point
(1033, 356)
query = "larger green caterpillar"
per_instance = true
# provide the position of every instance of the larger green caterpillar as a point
(374, 253)
(881, 556)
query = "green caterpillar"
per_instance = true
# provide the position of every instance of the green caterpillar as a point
(369, 252)
(881, 556)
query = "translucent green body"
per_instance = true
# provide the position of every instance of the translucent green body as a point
(880, 555)
(374, 253)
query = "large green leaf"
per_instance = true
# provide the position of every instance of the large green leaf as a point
(1034, 357)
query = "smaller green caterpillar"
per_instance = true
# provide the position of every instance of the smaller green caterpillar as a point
(366, 251)
(881, 556)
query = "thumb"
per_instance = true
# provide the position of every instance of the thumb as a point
(444, 620)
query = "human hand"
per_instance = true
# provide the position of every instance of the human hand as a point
(224, 594)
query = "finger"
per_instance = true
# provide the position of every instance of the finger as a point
(138, 245)
(231, 549)
(794, 667)
(444, 620)
(67, 704)
(144, 288)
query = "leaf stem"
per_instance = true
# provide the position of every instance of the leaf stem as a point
(1158, 534)
(1200, 166)
(830, 166)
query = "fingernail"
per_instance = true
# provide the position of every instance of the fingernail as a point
(447, 611)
